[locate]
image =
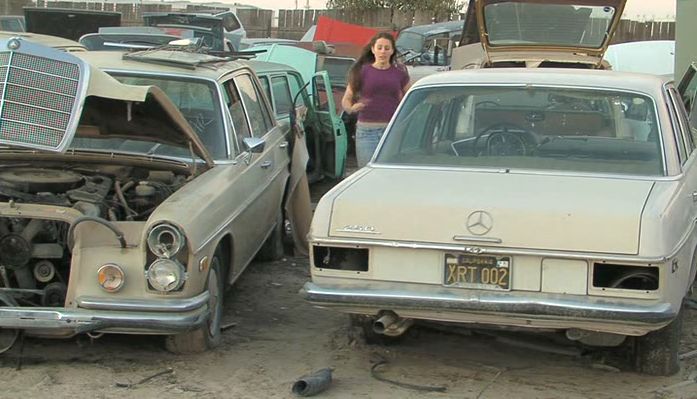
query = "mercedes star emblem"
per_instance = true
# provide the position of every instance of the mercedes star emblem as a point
(479, 223)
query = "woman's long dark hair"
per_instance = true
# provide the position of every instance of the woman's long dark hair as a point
(367, 56)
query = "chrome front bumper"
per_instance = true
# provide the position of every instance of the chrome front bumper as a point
(521, 309)
(163, 316)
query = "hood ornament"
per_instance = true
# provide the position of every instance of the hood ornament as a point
(479, 223)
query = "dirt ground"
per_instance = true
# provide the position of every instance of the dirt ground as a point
(277, 338)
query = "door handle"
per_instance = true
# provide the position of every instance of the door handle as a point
(266, 164)
(283, 145)
(694, 196)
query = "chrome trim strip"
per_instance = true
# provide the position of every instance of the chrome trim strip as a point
(478, 239)
(490, 250)
(84, 320)
(144, 305)
(570, 307)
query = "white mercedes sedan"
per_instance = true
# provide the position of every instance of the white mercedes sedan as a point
(548, 199)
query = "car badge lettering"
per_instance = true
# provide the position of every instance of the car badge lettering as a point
(355, 228)
(479, 223)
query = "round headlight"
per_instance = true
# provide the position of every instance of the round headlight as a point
(165, 240)
(166, 275)
(110, 277)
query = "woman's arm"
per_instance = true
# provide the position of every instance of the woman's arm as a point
(348, 104)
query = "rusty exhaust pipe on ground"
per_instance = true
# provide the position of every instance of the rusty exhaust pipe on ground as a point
(391, 325)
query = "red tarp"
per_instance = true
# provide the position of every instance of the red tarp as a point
(334, 31)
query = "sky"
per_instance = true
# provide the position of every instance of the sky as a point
(635, 9)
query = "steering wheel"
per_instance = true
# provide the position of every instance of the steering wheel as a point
(486, 103)
(504, 139)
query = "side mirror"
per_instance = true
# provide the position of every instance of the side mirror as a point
(254, 144)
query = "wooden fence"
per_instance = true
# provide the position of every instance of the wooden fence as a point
(292, 24)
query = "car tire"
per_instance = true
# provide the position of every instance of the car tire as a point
(208, 335)
(370, 337)
(656, 353)
(273, 246)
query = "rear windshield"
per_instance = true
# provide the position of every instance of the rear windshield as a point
(540, 24)
(538, 128)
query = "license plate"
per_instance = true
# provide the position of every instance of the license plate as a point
(485, 272)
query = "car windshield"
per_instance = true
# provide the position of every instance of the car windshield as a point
(197, 101)
(535, 128)
(541, 24)
(338, 69)
(410, 41)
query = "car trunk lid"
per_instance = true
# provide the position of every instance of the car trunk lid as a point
(526, 211)
(574, 27)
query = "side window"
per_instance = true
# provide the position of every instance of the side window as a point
(319, 94)
(239, 120)
(231, 23)
(281, 95)
(688, 90)
(259, 118)
(296, 83)
(266, 87)
(680, 126)
(688, 93)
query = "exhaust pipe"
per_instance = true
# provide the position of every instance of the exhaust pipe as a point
(391, 325)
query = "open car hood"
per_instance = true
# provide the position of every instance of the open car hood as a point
(51, 96)
(575, 27)
(68, 23)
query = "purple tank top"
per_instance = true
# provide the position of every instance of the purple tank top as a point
(381, 90)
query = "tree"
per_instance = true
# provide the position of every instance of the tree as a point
(439, 7)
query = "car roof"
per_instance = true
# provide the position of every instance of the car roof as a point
(113, 60)
(628, 81)
(261, 67)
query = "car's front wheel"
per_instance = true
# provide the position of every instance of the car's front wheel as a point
(208, 335)
(656, 353)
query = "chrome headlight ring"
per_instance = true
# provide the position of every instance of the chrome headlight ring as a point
(166, 275)
(165, 240)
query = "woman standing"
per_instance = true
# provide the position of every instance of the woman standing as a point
(376, 84)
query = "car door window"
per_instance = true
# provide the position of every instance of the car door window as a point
(259, 117)
(680, 126)
(319, 94)
(281, 95)
(239, 119)
(296, 83)
(266, 87)
(688, 92)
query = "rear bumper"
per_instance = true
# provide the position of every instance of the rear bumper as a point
(519, 309)
(166, 316)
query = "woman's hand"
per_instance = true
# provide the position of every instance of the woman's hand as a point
(357, 107)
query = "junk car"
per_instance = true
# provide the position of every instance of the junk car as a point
(129, 207)
(558, 200)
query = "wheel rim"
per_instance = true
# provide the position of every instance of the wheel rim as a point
(214, 301)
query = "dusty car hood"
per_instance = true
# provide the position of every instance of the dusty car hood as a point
(51, 96)
(545, 212)
(507, 26)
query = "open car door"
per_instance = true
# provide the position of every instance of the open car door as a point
(332, 138)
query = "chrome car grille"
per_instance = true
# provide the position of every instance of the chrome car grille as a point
(37, 96)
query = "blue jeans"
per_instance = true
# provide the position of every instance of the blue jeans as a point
(367, 139)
